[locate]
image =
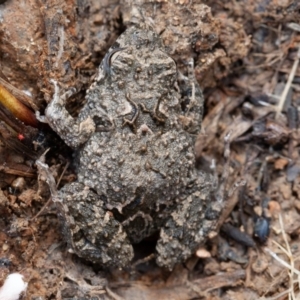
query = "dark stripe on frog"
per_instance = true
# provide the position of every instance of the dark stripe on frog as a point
(106, 61)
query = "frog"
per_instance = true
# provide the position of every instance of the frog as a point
(133, 144)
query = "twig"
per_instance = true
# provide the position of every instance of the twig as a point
(50, 199)
(143, 260)
(284, 263)
(288, 84)
(290, 265)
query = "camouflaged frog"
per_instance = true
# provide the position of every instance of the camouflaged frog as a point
(134, 141)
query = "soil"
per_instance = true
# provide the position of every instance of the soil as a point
(246, 56)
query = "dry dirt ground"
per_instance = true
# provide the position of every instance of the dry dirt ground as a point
(246, 56)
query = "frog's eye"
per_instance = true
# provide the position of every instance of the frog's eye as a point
(136, 34)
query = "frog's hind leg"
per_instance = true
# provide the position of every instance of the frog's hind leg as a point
(189, 225)
(92, 232)
(196, 217)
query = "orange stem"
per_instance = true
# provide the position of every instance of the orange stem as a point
(18, 109)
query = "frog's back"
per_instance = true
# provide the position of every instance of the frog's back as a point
(137, 171)
(140, 159)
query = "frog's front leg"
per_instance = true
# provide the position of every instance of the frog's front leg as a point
(73, 131)
(190, 224)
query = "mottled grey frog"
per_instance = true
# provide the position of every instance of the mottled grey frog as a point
(134, 141)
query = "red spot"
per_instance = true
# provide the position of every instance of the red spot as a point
(21, 137)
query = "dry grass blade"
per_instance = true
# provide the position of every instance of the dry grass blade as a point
(290, 265)
(288, 84)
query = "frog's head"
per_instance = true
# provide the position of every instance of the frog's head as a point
(140, 36)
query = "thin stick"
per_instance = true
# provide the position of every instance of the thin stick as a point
(288, 84)
(292, 264)
(281, 261)
(50, 198)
